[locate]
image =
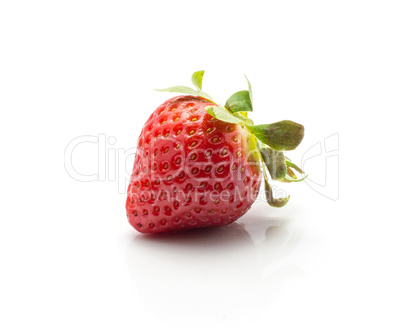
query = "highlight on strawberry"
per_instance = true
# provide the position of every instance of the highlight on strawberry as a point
(199, 164)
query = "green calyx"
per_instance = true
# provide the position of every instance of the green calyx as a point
(279, 167)
(239, 102)
(281, 136)
(197, 82)
(271, 139)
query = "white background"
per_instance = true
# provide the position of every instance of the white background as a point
(70, 262)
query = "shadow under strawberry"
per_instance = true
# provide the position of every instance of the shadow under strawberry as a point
(211, 273)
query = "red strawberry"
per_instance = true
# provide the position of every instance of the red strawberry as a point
(199, 165)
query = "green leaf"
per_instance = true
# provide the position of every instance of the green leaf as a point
(185, 90)
(179, 89)
(196, 79)
(275, 202)
(222, 114)
(289, 179)
(249, 90)
(291, 164)
(239, 101)
(275, 162)
(281, 136)
(290, 175)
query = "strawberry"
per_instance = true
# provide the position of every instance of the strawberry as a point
(199, 164)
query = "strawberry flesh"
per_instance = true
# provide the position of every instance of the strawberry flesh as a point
(191, 170)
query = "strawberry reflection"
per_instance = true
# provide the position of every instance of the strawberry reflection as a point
(215, 273)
